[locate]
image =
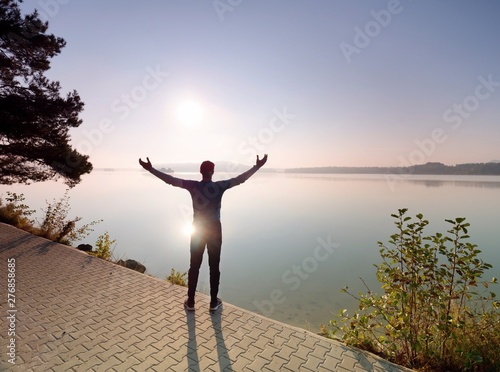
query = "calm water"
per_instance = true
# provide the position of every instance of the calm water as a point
(290, 242)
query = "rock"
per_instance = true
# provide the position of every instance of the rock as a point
(85, 247)
(132, 264)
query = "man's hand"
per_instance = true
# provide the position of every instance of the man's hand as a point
(260, 162)
(146, 165)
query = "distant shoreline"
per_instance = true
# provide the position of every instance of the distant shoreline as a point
(431, 168)
(472, 169)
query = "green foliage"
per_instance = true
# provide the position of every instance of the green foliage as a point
(103, 247)
(55, 225)
(176, 277)
(436, 311)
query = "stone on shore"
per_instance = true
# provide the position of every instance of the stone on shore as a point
(132, 264)
(84, 247)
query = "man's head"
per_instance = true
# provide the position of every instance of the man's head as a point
(207, 168)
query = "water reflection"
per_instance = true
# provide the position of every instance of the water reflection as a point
(271, 226)
(456, 183)
(425, 180)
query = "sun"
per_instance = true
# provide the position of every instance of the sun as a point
(189, 113)
(188, 229)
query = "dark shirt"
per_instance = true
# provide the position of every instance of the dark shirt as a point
(206, 195)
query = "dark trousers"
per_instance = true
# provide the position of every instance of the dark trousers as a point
(208, 235)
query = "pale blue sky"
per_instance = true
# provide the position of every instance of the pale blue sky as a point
(310, 83)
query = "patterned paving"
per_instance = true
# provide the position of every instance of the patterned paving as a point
(75, 312)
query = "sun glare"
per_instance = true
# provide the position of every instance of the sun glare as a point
(189, 113)
(188, 229)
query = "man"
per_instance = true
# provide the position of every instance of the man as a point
(206, 196)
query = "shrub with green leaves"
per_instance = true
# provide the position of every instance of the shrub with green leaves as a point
(436, 311)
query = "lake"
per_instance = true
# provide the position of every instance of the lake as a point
(290, 241)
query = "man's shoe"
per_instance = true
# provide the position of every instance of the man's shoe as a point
(189, 306)
(214, 305)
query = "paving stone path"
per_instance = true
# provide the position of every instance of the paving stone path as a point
(75, 312)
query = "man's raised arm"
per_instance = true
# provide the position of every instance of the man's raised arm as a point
(249, 173)
(162, 176)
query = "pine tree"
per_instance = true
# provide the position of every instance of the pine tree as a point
(34, 117)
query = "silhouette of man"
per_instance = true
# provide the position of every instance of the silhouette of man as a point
(206, 196)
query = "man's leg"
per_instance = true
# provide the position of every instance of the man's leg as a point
(214, 244)
(197, 249)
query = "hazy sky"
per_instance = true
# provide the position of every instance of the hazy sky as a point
(311, 83)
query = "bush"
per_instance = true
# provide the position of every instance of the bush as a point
(176, 277)
(103, 245)
(433, 313)
(55, 226)
(15, 213)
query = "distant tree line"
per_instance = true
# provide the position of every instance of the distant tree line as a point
(492, 168)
